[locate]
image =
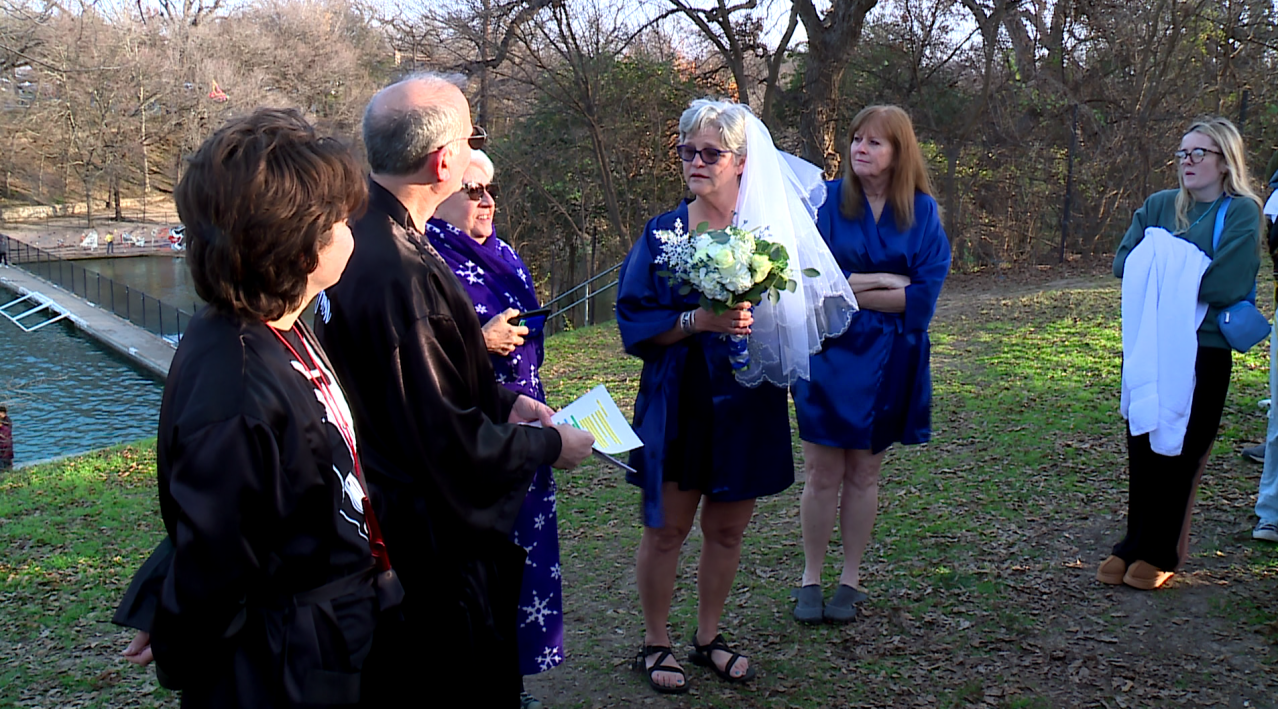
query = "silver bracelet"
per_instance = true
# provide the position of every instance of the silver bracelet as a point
(686, 322)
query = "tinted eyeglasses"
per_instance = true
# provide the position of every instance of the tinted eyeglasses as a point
(709, 156)
(1195, 156)
(475, 191)
(477, 139)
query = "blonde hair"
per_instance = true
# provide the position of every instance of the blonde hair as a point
(909, 171)
(1237, 182)
(727, 117)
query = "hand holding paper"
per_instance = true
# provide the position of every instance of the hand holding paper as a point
(598, 413)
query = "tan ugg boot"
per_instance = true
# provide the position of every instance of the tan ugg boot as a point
(1111, 571)
(1145, 576)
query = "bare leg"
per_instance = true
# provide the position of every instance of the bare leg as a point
(656, 566)
(860, 505)
(824, 469)
(722, 525)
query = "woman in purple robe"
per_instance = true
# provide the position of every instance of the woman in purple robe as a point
(501, 288)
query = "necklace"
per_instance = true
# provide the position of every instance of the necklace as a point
(1200, 216)
(375, 542)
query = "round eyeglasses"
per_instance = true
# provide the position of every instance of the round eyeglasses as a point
(1195, 156)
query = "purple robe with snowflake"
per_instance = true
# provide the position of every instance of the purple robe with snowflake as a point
(496, 278)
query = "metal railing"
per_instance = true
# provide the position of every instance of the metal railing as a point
(587, 299)
(147, 312)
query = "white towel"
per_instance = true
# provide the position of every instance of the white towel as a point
(1161, 315)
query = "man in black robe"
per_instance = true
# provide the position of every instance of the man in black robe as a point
(443, 445)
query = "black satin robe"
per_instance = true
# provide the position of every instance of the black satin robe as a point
(448, 473)
(262, 511)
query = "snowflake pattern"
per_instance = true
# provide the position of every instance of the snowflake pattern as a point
(538, 611)
(496, 280)
(471, 272)
(549, 658)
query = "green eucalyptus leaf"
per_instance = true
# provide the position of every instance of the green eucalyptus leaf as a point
(685, 289)
(811, 272)
(701, 228)
(791, 286)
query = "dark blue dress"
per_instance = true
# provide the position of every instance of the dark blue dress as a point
(872, 386)
(699, 426)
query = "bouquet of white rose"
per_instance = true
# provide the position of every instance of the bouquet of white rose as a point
(727, 267)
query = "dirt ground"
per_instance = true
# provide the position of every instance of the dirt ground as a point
(62, 235)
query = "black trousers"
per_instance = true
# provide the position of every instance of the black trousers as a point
(1161, 489)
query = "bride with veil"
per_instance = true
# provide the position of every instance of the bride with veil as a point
(717, 438)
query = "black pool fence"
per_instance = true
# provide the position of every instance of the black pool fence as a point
(147, 312)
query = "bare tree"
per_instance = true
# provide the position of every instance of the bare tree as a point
(832, 38)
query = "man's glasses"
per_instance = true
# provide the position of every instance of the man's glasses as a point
(709, 156)
(477, 139)
(1195, 156)
(475, 191)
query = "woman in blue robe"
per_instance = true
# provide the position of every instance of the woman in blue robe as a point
(871, 387)
(708, 440)
(501, 287)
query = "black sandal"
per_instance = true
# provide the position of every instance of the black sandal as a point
(641, 664)
(703, 655)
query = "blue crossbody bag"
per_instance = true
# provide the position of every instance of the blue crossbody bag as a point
(1242, 324)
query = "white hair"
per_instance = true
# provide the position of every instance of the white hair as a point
(480, 159)
(728, 117)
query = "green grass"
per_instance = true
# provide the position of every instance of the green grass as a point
(979, 572)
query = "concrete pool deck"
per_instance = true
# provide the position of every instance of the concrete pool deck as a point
(144, 348)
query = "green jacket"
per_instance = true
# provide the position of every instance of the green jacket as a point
(1232, 273)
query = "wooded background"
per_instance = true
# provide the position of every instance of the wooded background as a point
(1046, 123)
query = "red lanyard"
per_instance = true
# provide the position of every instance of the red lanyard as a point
(375, 542)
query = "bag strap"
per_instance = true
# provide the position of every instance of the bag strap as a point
(1215, 239)
(1220, 223)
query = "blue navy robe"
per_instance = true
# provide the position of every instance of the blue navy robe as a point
(872, 386)
(700, 427)
(496, 278)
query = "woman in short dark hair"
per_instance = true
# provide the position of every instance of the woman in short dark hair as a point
(266, 592)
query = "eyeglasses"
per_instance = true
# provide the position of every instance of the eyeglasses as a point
(477, 139)
(1195, 156)
(475, 191)
(709, 156)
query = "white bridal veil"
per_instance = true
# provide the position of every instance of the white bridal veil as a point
(782, 192)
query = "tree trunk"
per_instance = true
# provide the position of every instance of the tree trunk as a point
(774, 69)
(485, 90)
(115, 195)
(88, 201)
(590, 273)
(817, 119)
(605, 178)
(952, 229)
(831, 41)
